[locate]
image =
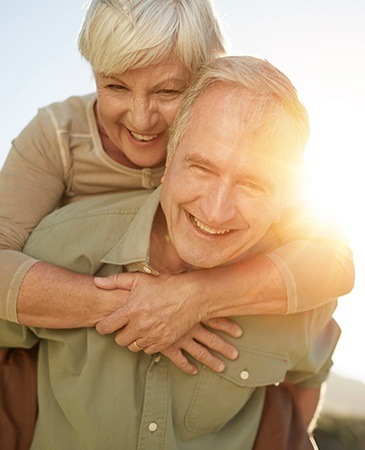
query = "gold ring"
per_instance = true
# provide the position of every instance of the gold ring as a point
(137, 346)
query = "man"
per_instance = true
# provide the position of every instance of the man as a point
(234, 151)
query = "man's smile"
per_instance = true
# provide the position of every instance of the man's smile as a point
(207, 229)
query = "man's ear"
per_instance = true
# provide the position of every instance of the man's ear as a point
(278, 216)
(281, 209)
(168, 160)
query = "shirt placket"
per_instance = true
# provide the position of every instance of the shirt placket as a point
(153, 424)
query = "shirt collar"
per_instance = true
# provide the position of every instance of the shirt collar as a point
(132, 250)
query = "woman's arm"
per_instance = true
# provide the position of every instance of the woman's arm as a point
(53, 297)
(72, 301)
(31, 185)
(313, 267)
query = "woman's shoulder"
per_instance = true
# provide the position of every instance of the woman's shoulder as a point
(72, 115)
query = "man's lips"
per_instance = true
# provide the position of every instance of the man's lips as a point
(207, 229)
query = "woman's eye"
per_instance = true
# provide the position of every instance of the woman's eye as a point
(117, 87)
(169, 92)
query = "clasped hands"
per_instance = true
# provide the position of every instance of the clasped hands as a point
(160, 316)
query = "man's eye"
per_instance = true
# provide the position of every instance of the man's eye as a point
(199, 170)
(253, 188)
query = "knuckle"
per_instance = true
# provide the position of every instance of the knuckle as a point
(100, 329)
(213, 341)
(120, 341)
(180, 362)
(177, 358)
(210, 322)
(149, 350)
(202, 354)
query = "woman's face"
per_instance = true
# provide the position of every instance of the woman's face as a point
(135, 109)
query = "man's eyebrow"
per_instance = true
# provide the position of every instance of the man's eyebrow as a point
(196, 158)
(253, 177)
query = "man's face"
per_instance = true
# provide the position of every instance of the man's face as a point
(221, 192)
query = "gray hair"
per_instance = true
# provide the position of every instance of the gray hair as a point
(277, 120)
(118, 35)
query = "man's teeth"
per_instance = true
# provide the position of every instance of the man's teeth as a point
(208, 229)
(141, 137)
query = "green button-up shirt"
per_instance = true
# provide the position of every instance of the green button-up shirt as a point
(96, 395)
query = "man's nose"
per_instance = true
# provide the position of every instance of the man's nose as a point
(218, 205)
(142, 113)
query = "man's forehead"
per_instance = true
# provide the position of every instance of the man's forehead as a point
(223, 95)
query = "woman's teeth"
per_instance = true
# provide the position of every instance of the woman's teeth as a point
(142, 138)
(208, 229)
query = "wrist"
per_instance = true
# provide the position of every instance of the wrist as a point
(195, 294)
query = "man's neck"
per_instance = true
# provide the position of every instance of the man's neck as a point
(163, 255)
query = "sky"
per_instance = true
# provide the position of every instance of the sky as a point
(318, 44)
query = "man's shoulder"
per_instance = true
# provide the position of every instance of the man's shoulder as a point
(121, 203)
(78, 235)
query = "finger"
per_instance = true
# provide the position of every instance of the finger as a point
(203, 355)
(216, 343)
(135, 347)
(112, 323)
(155, 339)
(181, 361)
(116, 281)
(124, 339)
(228, 326)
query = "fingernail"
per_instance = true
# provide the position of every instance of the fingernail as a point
(99, 280)
(235, 354)
(221, 367)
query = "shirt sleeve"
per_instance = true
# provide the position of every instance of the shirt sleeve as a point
(307, 246)
(13, 335)
(313, 366)
(31, 185)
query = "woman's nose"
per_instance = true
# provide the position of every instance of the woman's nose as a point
(142, 114)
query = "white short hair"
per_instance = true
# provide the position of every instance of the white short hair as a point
(277, 119)
(118, 35)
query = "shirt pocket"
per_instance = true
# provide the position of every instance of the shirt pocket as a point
(217, 398)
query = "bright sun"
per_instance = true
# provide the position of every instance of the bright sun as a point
(333, 164)
(336, 188)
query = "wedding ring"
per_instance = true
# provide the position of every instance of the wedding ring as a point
(137, 346)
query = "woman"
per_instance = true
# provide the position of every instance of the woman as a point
(143, 55)
(116, 140)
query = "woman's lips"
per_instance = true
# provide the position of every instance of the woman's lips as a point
(142, 137)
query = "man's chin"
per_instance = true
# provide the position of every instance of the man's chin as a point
(200, 262)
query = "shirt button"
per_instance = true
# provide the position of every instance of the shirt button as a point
(152, 427)
(147, 269)
(158, 359)
(244, 375)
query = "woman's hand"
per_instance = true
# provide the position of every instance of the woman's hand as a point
(199, 342)
(159, 311)
(155, 320)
